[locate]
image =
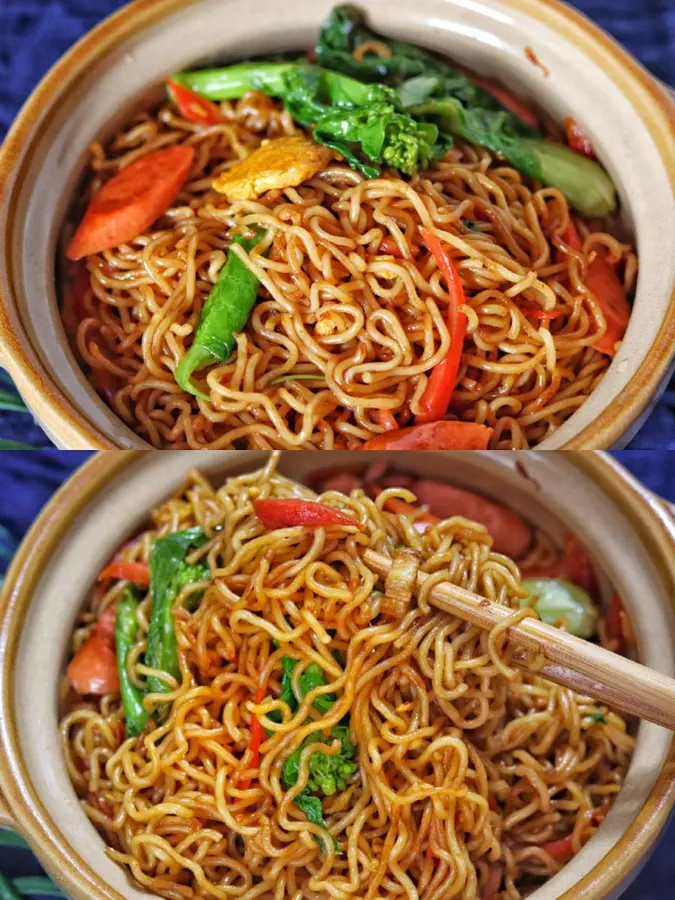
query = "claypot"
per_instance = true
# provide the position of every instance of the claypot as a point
(627, 531)
(122, 61)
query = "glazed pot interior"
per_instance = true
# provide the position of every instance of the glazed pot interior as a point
(110, 78)
(554, 493)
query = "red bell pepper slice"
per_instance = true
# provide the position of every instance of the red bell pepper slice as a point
(192, 106)
(613, 623)
(601, 278)
(572, 565)
(387, 420)
(126, 571)
(577, 138)
(508, 100)
(438, 393)
(535, 313)
(559, 849)
(257, 733)
(280, 513)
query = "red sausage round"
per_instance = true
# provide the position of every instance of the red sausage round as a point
(511, 535)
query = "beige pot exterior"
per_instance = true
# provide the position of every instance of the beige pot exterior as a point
(619, 521)
(114, 67)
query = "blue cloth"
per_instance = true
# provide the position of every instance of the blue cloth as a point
(27, 481)
(35, 33)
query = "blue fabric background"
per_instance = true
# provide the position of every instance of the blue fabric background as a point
(35, 33)
(27, 480)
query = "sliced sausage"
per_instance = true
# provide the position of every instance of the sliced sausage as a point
(342, 482)
(511, 535)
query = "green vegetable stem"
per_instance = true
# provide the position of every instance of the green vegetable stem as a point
(169, 574)
(223, 315)
(584, 183)
(126, 628)
(559, 602)
(366, 123)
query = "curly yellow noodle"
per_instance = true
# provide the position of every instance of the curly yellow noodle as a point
(464, 762)
(345, 325)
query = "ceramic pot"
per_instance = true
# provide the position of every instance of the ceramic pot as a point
(627, 531)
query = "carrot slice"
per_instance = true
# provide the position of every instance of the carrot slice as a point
(441, 435)
(132, 200)
(93, 669)
(602, 280)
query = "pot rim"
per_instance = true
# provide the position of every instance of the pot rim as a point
(648, 515)
(65, 422)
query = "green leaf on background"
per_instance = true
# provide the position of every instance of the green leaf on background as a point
(31, 885)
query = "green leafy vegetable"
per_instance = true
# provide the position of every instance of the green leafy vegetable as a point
(560, 602)
(287, 695)
(327, 774)
(169, 574)
(224, 314)
(417, 73)
(313, 677)
(599, 717)
(431, 89)
(310, 678)
(366, 123)
(311, 806)
(126, 627)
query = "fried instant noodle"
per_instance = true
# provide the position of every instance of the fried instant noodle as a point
(351, 315)
(466, 769)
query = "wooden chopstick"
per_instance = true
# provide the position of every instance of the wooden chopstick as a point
(585, 667)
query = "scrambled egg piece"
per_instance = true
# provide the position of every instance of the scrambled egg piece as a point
(280, 163)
